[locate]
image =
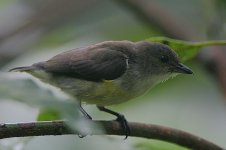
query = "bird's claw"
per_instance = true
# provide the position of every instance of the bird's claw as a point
(122, 120)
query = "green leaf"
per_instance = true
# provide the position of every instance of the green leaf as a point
(157, 145)
(48, 115)
(186, 50)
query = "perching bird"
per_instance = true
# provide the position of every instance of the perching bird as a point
(109, 73)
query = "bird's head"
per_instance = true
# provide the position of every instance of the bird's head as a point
(158, 59)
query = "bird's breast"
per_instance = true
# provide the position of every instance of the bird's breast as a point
(107, 92)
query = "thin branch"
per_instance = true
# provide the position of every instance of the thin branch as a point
(153, 14)
(111, 128)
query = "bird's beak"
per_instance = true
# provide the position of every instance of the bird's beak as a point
(180, 68)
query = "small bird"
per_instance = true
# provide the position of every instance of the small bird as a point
(109, 73)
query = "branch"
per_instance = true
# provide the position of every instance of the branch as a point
(111, 128)
(151, 13)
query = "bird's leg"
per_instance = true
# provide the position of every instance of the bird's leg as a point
(120, 118)
(86, 115)
(84, 112)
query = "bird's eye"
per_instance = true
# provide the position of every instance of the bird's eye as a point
(164, 59)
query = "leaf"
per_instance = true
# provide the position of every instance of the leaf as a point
(185, 50)
(48, 115)
(158, 145)
(26, 90)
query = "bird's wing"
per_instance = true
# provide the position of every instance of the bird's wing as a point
(92, 64)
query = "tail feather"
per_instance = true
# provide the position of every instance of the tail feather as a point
(26, 68)
(36, 66)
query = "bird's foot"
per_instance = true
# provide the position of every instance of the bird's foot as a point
(124, 124)
(120, 118)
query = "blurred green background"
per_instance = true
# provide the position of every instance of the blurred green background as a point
(32, 31)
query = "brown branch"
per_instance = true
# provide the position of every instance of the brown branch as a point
(111, 128)
(156, 15)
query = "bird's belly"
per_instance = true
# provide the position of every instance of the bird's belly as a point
(103, 93)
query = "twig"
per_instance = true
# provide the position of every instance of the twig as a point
(111, 128)
(156, 15)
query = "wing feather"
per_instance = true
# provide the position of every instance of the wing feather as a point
(94, 64)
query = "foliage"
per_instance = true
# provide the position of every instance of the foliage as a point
(157, 145)
(27, 91)
(48, 115)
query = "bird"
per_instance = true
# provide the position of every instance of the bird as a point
(109, 73)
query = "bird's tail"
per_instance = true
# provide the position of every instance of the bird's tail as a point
(21, 69)
(36, 66)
